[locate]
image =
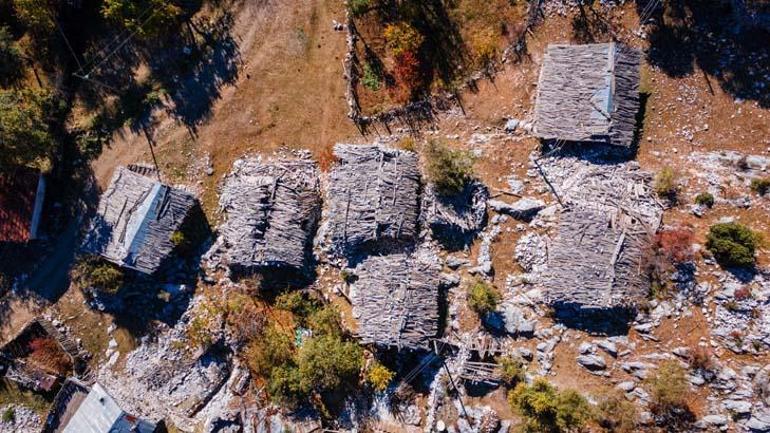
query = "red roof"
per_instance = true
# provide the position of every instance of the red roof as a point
(17, 202)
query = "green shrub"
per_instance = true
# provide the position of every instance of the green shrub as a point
(666, 183)
(283, 385)
(511, 370)
(732, 244)
(93, 272)
(402, 38)
(326, 321)
(705, 199)
(359, 7)
(482, 298)
(615, 414)
(379, 376)
(449, 170)
(326, 363)
(760, 186)
(298, 304)
(9, 415)
(371, 79)
(544, 409)
(668, 387)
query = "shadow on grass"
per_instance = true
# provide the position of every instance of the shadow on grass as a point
(690, 34)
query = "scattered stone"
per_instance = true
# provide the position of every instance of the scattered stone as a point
(592, 362)
(626, 386)
(511, 125)
(609, 347)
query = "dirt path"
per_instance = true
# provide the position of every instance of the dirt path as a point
(289, 94)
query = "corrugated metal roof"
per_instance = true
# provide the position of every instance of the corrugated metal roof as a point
(99, 413)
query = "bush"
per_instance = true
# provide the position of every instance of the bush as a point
(449, 170)
(732, 244)
(408, 76)
(616, 414)
(93, 272)
(760, 186)
(371, 79)
(701, 358)
(283, 385)
(511, 370)
(666, 183)
(326, 321)
(9, 415)
(705, 199)
(326, 363)
(675, 244)
(297, 303)
(544, 409)
(668, 387)
(379, 376)
(274, 348)
(359, 7)
(402, 38)
(482, 298)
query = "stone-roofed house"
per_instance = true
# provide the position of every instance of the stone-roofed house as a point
(272, 210)
(136, 219)
(396, 301)
(372, 199)
(588, 93)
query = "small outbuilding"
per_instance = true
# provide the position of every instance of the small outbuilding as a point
(272, 211)
(22, 192)
(588, 93)
(396, 301)
(596, 262)
(137, 220)
(373, 199)
(80, 409)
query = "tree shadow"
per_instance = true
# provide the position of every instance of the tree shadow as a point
(203, 68)
(589, 28)
(686, 34)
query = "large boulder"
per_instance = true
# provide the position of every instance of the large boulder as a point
(524, 209)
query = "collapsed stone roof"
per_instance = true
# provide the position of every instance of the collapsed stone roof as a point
(135, 220)
(596, 261)
(396, 301)
(272, 210)
(373, 196)
(588, 93)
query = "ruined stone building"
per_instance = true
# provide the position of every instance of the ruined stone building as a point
(396, 301)
(372, 199)
(272, 211)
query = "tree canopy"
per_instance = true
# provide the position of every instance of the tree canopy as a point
(25, 136)
(145, 18)
(10, 58)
